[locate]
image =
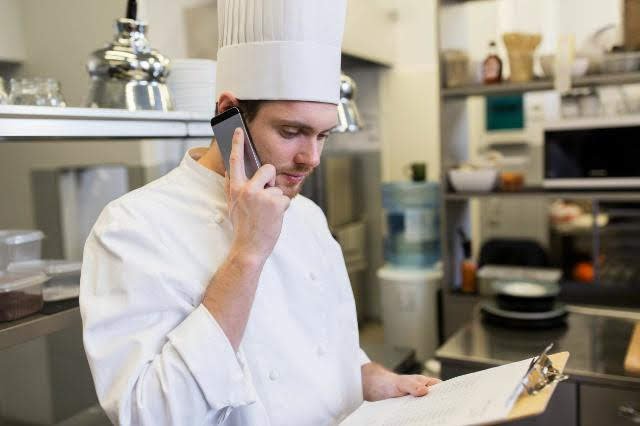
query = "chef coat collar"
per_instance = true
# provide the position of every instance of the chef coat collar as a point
(206, 176)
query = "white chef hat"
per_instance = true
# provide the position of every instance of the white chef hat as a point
(280, 49)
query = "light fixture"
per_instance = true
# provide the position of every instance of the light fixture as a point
(348, 116)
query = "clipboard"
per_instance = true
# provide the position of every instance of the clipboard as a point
(535, 403)
(529, 396)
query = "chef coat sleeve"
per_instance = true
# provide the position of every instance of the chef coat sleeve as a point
(157, 356)
(364, 358)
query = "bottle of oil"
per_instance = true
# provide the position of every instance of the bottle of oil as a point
(492, 66)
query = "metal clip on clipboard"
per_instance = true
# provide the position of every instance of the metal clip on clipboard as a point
(541, 373)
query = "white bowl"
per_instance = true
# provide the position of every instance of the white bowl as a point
(578, 68)
(481, 180)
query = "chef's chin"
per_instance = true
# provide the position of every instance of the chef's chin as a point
(289, 186)
(291, 191)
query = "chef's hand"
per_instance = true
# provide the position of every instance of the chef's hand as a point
(256, 206)
(379, 383)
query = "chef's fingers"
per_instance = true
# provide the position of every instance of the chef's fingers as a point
(264, 176)
(226, 184)
(428, 381)
(415, 385)
(281, 201)
(274, 190)
(237, 175)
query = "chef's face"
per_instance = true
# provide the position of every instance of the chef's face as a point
(290, 135)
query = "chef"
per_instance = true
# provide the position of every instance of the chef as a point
(208, 297)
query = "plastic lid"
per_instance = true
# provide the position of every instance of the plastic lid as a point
(49, 267)
(20, 236)
(60, 292)
(394, 273)
(18, 281)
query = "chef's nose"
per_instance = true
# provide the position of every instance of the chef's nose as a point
(309, 154)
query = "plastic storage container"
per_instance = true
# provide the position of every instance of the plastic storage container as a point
(410, 308)
(412, 233)
(20, 294)
(63, 277)
(19, 246)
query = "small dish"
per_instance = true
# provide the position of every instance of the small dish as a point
(470, 180)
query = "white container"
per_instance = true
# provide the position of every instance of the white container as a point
(20, 294)
(481, 180)
(64, 277)
(489, 274)
(19, 246)
(410, 308)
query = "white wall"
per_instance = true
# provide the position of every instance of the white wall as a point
(168, 26)
(12, 46)
(410, 94)
(60, 35)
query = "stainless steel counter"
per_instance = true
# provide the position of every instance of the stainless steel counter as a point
(23, 330)
(597, 344)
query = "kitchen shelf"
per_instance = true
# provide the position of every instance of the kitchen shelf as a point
(538, 85)
(539, 192)
(15, 332)
(32, 122)
(506, 137)
(496, 89)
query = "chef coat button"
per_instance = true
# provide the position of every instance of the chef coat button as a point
(273, 375)
(218, 218)
(321, 351)
(312, 276)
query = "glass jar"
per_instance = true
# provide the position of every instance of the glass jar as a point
(54, 95)
(36, 91)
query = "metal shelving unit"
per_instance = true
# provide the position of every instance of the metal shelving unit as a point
(45, 123)
(538, 85)
(20, 331)
(580, 195)
(25, 124)
(455, 207)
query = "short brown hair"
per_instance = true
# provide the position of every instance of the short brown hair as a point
(250, 108)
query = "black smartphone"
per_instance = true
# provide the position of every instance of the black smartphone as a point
(223, 126)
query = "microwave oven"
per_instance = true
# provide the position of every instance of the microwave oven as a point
(601, 153)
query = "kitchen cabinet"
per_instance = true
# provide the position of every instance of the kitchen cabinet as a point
(600, 405)
(12, 45)
(369, 31)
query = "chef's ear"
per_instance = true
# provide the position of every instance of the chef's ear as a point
(226, 101)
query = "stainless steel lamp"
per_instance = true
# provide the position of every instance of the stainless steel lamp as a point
(348, 116)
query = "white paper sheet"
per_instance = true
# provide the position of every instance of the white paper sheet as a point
(478, 398)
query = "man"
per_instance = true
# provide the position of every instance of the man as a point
(209, 297)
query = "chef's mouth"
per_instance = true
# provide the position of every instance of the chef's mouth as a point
(294, 178)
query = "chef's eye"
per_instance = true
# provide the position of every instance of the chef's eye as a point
(323, 137)
(288, 133)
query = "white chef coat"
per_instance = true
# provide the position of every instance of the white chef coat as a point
(159, 357)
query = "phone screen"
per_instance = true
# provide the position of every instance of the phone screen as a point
(223, 126)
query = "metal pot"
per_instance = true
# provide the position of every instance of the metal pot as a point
(526, 296)
(128, 73)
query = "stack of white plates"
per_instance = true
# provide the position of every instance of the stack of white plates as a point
(193, 85)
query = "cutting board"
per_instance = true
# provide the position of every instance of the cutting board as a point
(632, 360)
